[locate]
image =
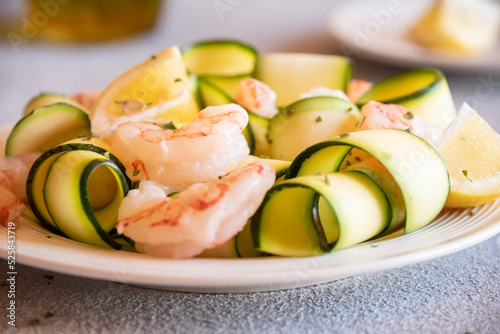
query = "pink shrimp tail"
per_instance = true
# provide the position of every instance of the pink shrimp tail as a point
(13, 174)
(10, 207)
(377, 115)
(87, 98)
(358, 88)
(257, 97)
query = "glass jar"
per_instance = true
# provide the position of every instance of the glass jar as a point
(92, 20)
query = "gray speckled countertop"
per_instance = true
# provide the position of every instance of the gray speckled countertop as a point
(457, 293)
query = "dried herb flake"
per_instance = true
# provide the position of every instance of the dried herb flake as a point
(466, 174)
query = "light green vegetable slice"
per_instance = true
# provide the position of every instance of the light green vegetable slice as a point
(314, 214)
(47, 127)
(423, 91)
(291, 74)
(416, 167)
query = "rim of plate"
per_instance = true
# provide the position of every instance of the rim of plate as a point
(451, 231)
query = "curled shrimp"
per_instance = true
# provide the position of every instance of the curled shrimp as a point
(357, 88)
(323, 91)
(13, 174)
(376, 115)
(204, 216)
(87, 98)
(257, 97)
(198, 151)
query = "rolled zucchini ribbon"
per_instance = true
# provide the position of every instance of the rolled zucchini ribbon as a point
(319, 208)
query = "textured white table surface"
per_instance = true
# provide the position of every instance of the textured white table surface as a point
(458, 293)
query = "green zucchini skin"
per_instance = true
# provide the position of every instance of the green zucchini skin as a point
(34, 194)
(90, 212)
(260, 129)
(194, 52)
(291, 221)
(45, 99)
(71, 209)
(309, 121)
(408, 185)
(415, 165)
(431, 101)
(212, 95)
(395, 80)
(215, 86)
(46, 127)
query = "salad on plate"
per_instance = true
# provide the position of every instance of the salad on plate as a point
(216, 150)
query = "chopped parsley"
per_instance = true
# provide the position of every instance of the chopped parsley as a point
(362, 121)
(466, 174)
(169, 126)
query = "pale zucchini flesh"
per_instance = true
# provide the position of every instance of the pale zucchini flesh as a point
(422, 91)
(416, 167)
(67, 199)
(309, 121)
(47, 127)
(45, 99)
(352, 208)
(37, 176)
(219, 58)
(291, 74)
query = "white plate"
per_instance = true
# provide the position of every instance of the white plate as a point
(450, 232)
(376, 29)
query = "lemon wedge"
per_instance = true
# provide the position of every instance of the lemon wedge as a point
(462, 26)
(155, 91)
(470, 148)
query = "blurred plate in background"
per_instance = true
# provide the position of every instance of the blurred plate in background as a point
(377, 29)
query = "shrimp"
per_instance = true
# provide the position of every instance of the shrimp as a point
(10, 207)
(376, 115)
(196, 152)
(256, 97)
(357, 88)
(323, 91)
(13, 174)
(204, 216)
(87, 98)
